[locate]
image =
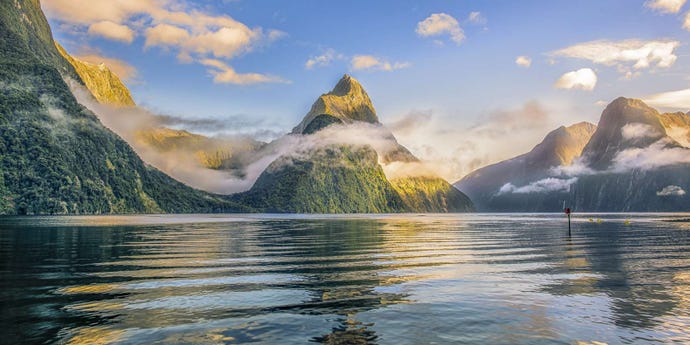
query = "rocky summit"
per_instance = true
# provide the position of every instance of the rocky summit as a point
(346, 103)
(104, 85)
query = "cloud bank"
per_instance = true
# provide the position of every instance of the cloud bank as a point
(636, 130)
(550, 184)
(628, 56)
(171, 25)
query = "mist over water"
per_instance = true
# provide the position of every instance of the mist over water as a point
(380, 279)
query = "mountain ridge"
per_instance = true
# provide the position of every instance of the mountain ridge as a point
(105, 86)
(347, 102)
(630, 163)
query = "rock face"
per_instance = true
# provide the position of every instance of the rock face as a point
(560, 147)
(105, 86)
(348, 177)
(625, 123)
(55, 156)
(677, 126)
(630, 163)
(347, 102)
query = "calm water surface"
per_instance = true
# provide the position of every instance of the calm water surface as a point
(400, 279)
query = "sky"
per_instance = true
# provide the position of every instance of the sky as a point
(462, 83)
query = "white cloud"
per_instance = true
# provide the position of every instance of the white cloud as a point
(659, 154)
(177, 26)
(476, 18)
(224, 74)
(686, 22)
(671, 190)
(638, 130)
(441, 24)
(454, 147)
(91, 11)
(628, 56)
(679, 99)
(322, 60)
(369, 62)
(165, 35)
(523, 61)
(549, 184)
(665, 6)
(583, 79)
(112, 31)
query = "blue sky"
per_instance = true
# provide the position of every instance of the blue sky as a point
(431, 60)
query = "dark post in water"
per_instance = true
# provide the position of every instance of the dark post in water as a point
(567, 212)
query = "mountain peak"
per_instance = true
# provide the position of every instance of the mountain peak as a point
(609, 139)
(104, 85)
(346, 85)
(346, 103)
(627, 103)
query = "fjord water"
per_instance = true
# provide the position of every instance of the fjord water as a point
(384, 279)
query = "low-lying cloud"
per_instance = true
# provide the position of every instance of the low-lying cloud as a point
(549, 184)
(659, 154)
(671, 190)
(636, 130)
(182, 162)
(455, 148)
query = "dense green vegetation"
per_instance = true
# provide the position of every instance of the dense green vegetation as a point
(55, 156)
(332, 179)
(431, 194)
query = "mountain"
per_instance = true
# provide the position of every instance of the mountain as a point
(636, 165)
(105, 85)
(331, 179)
(560, 147)
(630, 163)
(677, 126)
(164, 148)
(55, 156)
(212, 153)
(346, 103)
(348, 176)
(625, 124)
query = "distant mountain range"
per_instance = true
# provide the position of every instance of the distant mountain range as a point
(635, 159)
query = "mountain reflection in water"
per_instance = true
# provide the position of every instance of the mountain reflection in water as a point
(380, 279)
